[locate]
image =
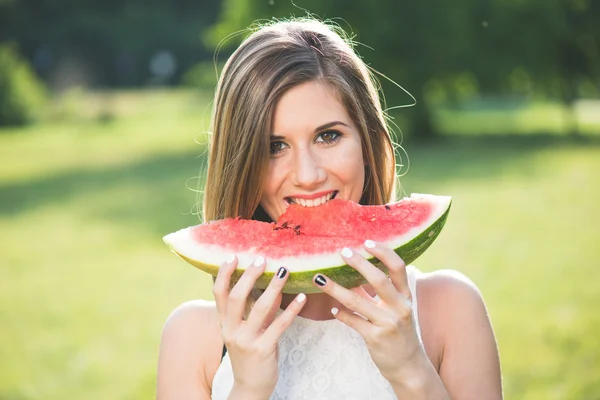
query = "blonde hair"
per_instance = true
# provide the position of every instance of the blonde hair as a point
(273, 59)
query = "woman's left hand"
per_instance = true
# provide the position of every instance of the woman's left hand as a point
(388, 327)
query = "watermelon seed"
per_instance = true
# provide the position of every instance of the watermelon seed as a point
(388, 207)
(283, 226)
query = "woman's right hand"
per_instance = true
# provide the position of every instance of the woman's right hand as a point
(252, 343)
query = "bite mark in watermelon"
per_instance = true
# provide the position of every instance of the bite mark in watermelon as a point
(308, 240)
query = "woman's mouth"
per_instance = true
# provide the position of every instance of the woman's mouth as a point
(312, 202)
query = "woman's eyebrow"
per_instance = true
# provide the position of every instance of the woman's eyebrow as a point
(330, 124)
(318, 129)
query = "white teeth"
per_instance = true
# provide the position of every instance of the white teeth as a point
(311, 203)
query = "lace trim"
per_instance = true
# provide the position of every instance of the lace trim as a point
(323, 360)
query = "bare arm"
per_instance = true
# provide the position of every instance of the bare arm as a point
(194, 333)
(470, 366)
(188, 341)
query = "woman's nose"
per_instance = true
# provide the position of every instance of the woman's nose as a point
(308, 170)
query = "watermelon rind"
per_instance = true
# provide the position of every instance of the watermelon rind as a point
(408, 246)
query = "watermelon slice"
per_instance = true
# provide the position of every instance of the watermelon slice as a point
(308, 240)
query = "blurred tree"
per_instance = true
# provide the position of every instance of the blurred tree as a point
(577, 52)
(546, 49)
(21, 93)
(410, 43)
(438, 51)
(109, 42)
(452, 51)
(203, 76)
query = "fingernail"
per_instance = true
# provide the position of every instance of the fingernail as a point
(346, 252)
(230, 259)
(281, 273)
(369, 244)
(301, 297)
(259, 261)
(320, 280)
(334, 311)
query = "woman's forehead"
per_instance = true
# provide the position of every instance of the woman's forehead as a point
(308, 107)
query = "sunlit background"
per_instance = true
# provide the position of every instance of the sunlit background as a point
(104, 112)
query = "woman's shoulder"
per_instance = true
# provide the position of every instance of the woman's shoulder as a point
(448, 293)
(190, 347)
(445, 281)
(455, 322)
(451, 308)
(192, 317)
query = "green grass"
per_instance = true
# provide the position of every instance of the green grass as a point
(86, 282)
(524, 227)
(547, 118)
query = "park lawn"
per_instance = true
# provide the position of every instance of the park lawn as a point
(533, 118)
(86, 282)
(524, 227)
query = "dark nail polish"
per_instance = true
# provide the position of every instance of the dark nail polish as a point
(320, 280)
(281, 273)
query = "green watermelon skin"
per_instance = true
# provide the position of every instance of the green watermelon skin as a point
(301, 281)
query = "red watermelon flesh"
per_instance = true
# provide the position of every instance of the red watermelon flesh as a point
(308, 240)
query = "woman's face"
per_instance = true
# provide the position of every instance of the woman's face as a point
(316, 151)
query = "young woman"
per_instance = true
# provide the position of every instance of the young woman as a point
(297, 119)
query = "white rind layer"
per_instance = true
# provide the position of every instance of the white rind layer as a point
(182, 242)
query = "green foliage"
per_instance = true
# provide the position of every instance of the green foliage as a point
(22, 94)
(537, 48)
(113, 40)
(203, 76)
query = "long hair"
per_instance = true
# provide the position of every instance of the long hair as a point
(272, 60)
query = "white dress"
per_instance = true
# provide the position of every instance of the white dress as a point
(323, 360)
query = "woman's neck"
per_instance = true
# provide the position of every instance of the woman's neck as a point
(318, 305)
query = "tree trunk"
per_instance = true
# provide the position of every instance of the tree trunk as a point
(422, 126)
(570, 114)
(571, 121)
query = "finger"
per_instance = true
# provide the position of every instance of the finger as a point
(284, 320)
(221, 286)
(236, 304)
(354, 321)
(395, 265)
(362, 304)
(266, 306)
(377, 278)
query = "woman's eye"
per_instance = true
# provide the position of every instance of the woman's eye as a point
(329, 136)
(276, 147)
